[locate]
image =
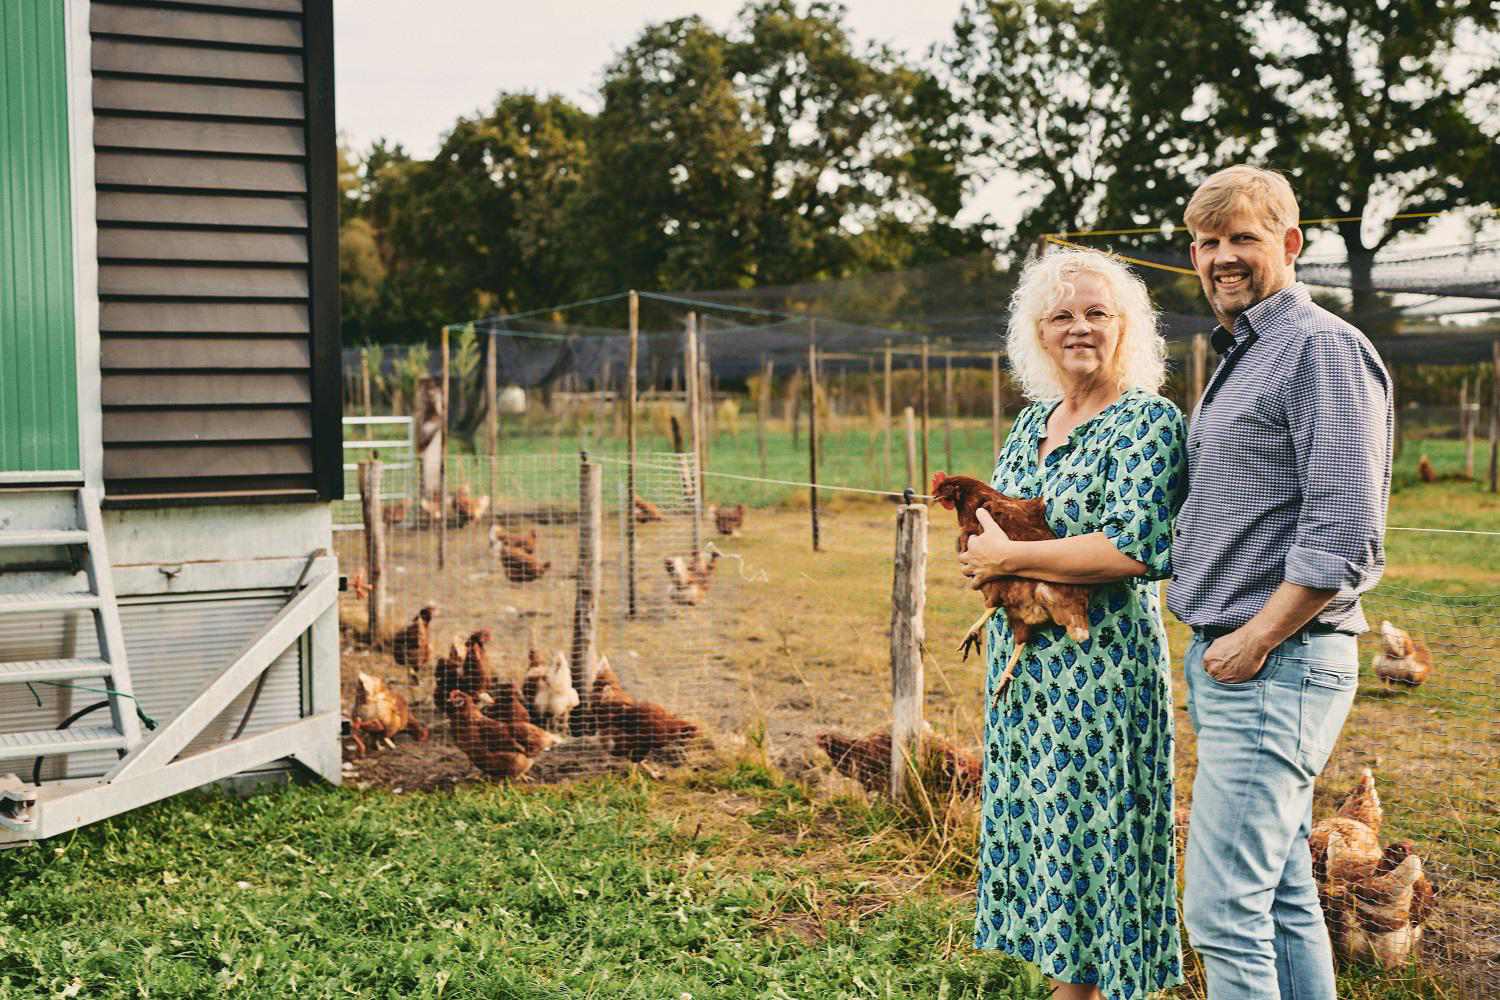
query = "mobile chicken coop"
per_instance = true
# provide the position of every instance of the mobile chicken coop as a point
(169, 401)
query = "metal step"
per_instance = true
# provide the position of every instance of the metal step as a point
(19, 671)
(45, 742)
(11, 604)
(47, 536)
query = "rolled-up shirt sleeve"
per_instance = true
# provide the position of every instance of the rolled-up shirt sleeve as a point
(1144, 479)
(1339, 415)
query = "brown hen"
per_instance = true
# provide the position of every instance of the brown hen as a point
(381, 711)
(946, 768)
(412, 646)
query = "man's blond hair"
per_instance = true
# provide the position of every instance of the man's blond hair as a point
(1264, 195)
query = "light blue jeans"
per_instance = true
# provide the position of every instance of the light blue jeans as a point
(1251, 906)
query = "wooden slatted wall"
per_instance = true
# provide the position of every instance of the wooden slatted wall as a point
(217, 248)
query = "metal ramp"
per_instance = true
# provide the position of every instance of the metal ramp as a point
(157, 764)
(83, 541)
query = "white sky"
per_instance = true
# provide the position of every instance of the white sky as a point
(407, 78)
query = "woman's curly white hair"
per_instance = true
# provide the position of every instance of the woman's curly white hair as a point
(1140, 360)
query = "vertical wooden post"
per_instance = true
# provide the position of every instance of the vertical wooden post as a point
(763, 412)
(492, 425)
(886, 415)
(369, 495)
(908, 632)
(583, 656)
(948, 408)
(442, 499)
(1197, 369)
(635, 322)
(794, 403)
(812, 424)
(695, 409)
(1466, 424)
(926, 407)
(911, 449)
(707, 418)
(996, 409)
(364, 368)
(1495, 418)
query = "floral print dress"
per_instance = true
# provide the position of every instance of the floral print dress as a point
(1077, 863)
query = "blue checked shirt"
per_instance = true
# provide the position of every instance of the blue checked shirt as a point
(1289, 469)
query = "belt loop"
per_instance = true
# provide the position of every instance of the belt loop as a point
(1304, 636)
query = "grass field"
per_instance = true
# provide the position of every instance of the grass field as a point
(753, 872)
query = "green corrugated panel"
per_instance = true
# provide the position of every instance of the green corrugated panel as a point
(38, 371)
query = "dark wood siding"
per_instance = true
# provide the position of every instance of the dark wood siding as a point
(218, 266)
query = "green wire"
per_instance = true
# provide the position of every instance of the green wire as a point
(150, 722)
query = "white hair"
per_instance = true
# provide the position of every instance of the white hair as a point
(1141, 358)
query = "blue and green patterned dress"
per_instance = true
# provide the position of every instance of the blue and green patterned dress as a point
(1077, 867)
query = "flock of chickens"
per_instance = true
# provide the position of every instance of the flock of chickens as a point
(502, 726)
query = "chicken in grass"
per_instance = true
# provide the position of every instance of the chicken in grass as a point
(1425, 470)
(381, 712)
(689, 577)
(1402, 660)
(448, 672)
(501, 539)
(1026, 603)
(645, 511)
(491, 746)
(730, 520)
(1378, 918)
(947, 768)
(520, 565)
(548, 690)
(412, 646)
(630, 728)
(1357, 825)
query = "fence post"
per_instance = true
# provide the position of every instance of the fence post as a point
(763, 413)
(911, 448)
(885, 415)
(430, 433)
(948, 408)
(695, 422)
(374, 517)
(812, 424)
(442, 503)
(995, 408)
(1495, 417)
(925, 408)
(908, 602)
(635, 323)
(364, 368)
(1466, 425)
(582, 655)
(492, 426)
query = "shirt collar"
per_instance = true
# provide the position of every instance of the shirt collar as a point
(1260, 319)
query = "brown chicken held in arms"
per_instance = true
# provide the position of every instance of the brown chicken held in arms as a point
(548, 690)
(412, 646)
(500, 539)
(1026, 603)
(868, 761)
(381, 711)
(520, 565)
(646, 511)
(689, 577)
(729, 520)
(491, 746)
(1402, 660)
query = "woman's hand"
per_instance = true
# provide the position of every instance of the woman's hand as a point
(988, 553)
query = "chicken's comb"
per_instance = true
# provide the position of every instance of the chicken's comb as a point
(937, 480)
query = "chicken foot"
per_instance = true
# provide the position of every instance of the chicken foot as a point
(1009, 674)
(976, 631)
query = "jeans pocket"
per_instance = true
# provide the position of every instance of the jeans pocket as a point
(1327, 696)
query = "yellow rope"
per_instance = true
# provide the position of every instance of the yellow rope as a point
(1120, 256)
(1176, 228)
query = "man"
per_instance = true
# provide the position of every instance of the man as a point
(1289, 463)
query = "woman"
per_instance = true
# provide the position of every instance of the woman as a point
(1077, 868)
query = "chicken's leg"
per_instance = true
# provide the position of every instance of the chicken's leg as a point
(971, 638)
(1010, 672)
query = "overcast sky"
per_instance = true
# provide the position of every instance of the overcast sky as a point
(406, 71)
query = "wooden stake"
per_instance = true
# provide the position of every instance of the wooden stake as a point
(812, 424)
(995, 406)
(442, 532)
(795, 402)
(364, 367)
(695, 420)
(908, 633)
(583, 655)
(492, 425)
(374, 517)
(1466, 424)
(1197, 368)
(1495, 418)
(948, 408)
(635, 322)
(886, 415)
(911, 449)
(763, 413)
(707, 418)
(925, 411)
